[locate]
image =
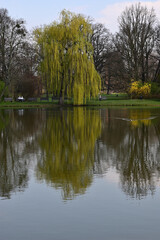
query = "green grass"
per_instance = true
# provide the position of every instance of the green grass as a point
(125, 102)
(112, 100)
(27, 104)
(116, 95)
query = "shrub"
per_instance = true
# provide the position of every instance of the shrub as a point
(137, 89)
(145, 90)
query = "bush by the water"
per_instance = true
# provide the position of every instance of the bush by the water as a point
(137, 89)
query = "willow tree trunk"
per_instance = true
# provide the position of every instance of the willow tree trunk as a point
(61, 97)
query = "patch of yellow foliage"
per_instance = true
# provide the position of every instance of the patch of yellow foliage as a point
(138, 89)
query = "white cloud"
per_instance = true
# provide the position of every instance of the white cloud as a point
(109, 15)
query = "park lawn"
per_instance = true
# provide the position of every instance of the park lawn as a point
(27, 104)
(110, 101)
(125, 102)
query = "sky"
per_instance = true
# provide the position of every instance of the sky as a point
(39, 12)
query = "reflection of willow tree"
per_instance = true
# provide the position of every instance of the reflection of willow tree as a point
(68, 143)
(17, 133)
(136, 156)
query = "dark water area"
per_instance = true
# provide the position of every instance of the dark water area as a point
(80, 173)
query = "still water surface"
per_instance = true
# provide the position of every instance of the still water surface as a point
(80, 174)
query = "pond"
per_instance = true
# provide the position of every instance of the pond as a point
(80, 173)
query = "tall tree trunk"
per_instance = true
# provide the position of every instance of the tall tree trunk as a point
(109, 82)
(157, 72)
(2, 94)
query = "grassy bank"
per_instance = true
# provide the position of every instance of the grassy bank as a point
(27, 104)
(94, 102)
(111, 100)
(126, 102)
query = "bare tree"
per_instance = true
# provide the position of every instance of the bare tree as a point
(136, 40)
(115, 77)
(157, 56)
(27, 81)
(101, 41)
(12, 37)
(108, 61)
(102, 44)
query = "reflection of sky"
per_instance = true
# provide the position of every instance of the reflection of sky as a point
(112, 176)
(114, 166)
(102, 213)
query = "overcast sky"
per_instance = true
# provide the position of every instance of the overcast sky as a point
(40, 12)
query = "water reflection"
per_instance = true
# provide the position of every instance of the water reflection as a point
(68, 147)
(139, 118)
(68, 143)
(17, 143)
(133, 148)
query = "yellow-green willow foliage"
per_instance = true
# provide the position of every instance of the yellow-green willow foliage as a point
(67, 64)
(68, 144)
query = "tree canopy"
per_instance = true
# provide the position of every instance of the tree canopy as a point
(12, 37)
(136, 41)
(66, 64)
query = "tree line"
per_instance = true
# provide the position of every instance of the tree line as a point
(76, 57)
(18, 58)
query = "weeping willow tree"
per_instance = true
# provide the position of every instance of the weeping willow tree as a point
(67, 65)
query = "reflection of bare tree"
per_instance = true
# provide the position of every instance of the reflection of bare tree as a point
(17, 142)
(138, 165)
(133, 149)
(68, 142)
(112, 135)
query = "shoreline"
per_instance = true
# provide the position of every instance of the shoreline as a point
(91, 103)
